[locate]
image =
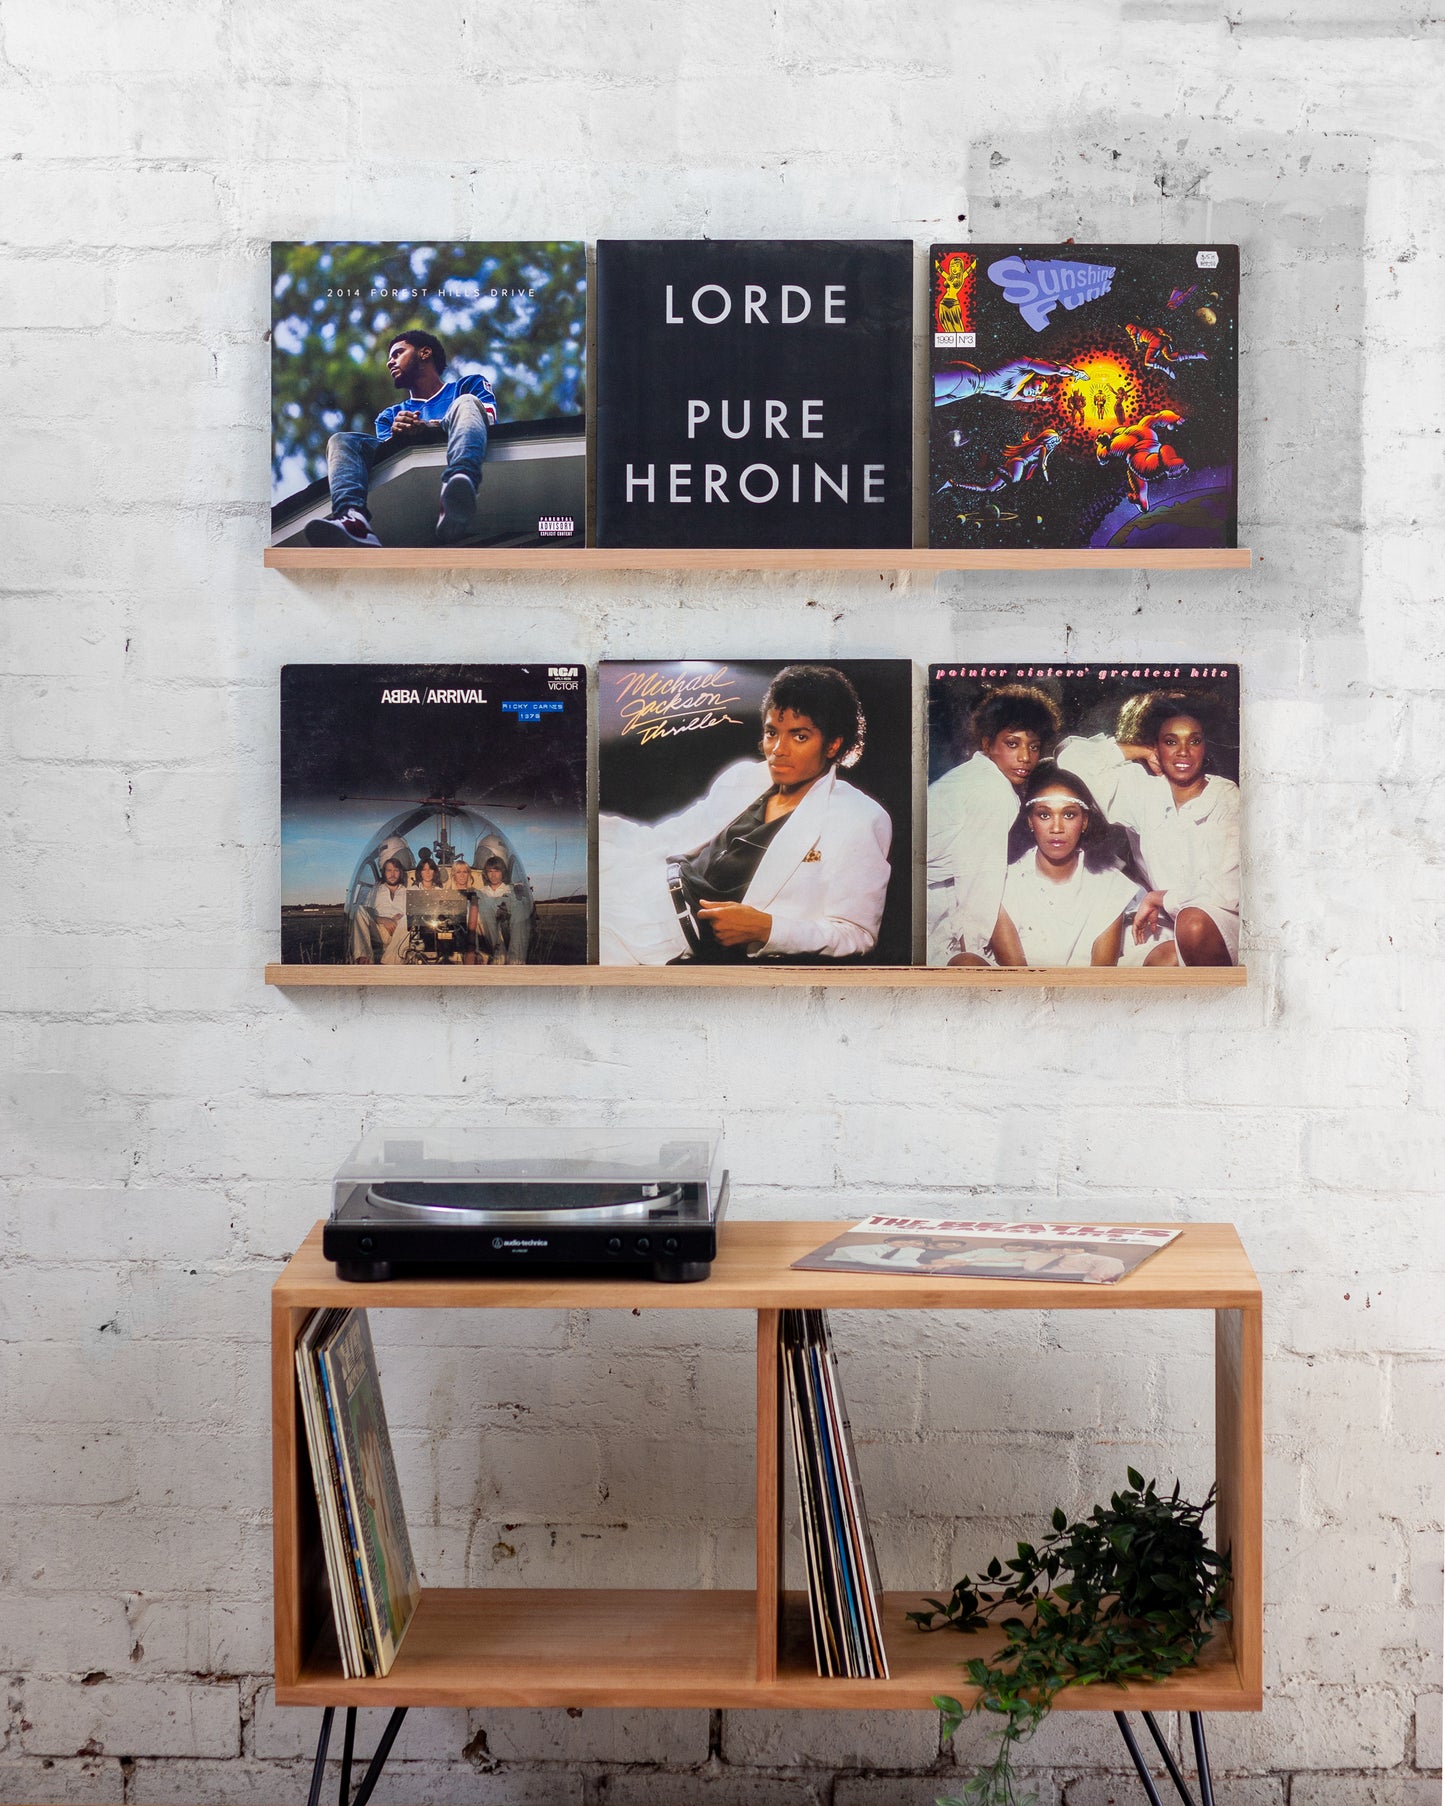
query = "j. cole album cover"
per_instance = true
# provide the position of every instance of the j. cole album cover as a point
(428, 394)
(754, 811)
(1084, 395)
(433, 815)
(754, 392)
(1083, 815)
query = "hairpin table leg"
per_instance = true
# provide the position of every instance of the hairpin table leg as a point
(1131, 1744)
(1201, 1759)
(378, 1761)
(348, 1747)
(318, 1769)
(1180, 1786)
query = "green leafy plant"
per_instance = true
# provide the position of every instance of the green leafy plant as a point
(1130, 1593)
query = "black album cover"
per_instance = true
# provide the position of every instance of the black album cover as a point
(754, 392)
(1083, 815)
(1084, 395)
(433, 815)
(754, 810)
(428, 393)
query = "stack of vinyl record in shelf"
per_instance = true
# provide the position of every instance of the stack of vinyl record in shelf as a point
(843, 1589)
(369, 1565)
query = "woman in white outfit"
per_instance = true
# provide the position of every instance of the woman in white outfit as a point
(1151, 776)
(781, 859)
(1065, 895)
(970, 812)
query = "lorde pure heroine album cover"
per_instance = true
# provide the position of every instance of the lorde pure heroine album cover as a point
(433, 815)
(754, 393)
(1084, 395)
(754, 811)
(1083, 815)
(428, 394)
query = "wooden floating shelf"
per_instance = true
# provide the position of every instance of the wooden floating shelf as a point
(622, 558)
(539, 1646)
(723, 978)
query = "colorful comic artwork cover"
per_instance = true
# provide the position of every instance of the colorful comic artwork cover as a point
(1084, 396)
(1083, 815)
(433, 815)
(754, 811)
(428, 394)
(754, 392)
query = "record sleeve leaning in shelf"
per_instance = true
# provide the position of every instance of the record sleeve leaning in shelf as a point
(433, 815)
(1083, 815)
(754, 811)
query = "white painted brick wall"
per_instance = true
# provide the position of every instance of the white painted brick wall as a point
(167, 1125)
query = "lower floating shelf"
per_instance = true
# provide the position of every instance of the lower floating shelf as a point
(562, 1647)
(707, 978)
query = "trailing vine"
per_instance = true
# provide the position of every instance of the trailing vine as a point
(1132, 1592)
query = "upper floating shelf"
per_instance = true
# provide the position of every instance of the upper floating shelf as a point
(623, 558)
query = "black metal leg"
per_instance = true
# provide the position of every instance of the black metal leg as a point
(1201, 1759)
(318, 1770)
(348, 1748)
(378, 1761)
(1164, 1750)
(1126, 1731)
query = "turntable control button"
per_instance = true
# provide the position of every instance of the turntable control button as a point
(366, 1244)
(614, 1244)
(643, 1244)
(670, 1245)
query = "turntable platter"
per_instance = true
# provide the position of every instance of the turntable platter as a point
(496, 1201)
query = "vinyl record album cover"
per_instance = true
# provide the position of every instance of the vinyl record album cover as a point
(428, 394)
(754, 810)
(754, 392)
(433, 815)
(940, 1248)
(1083, 815)
(1084, 395)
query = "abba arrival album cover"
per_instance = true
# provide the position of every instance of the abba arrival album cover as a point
(1084, 395)
(754, 392)
(433, 815)
(428, 394)
(754, 811)
(1083, 815)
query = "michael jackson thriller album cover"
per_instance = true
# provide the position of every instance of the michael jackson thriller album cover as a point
(1083, 815)
(754, 392)
(754, 811)
(433, 815)
(1084, 395)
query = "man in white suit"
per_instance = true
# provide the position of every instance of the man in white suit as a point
(780, 859)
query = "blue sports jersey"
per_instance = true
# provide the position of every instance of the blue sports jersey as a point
(436, 407)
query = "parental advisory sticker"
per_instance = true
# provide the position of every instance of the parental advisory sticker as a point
(953, 341)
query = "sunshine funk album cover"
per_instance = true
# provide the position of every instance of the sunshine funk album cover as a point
(1084, 395)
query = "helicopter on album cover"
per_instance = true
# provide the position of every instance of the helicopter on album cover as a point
(1084, 396)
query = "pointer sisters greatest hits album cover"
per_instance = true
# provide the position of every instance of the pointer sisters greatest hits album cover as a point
(754, 393)
(428, 394)
(1084, 395)
(754, 811)
(433, 815)
(1083, 815)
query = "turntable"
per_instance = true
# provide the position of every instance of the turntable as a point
(488, 1201)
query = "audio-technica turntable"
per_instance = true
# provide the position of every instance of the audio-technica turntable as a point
(509, 1200)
